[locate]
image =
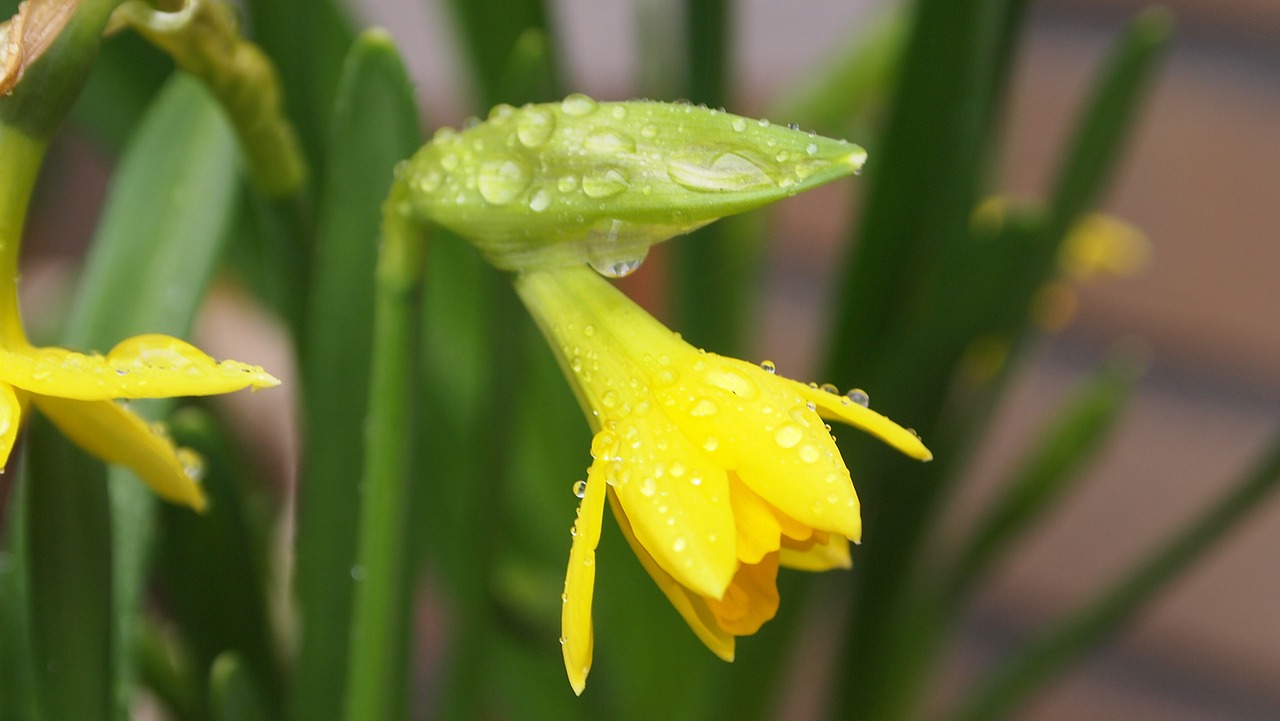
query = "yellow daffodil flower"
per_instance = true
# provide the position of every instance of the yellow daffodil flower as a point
(718, 471)
(78, 392)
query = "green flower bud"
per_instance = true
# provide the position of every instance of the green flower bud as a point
(579, 181)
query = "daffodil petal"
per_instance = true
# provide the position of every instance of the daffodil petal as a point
(766, 433)
(10, 419)
(816, 556)
(691, 607)
(145, 366)
(577, 637)
(115, 434)
(678, 503)
(751, 600)
(836, 407)
(759, 532)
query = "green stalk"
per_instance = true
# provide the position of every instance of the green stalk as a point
(380, 584)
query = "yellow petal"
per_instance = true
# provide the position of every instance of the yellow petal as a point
(816, 556)
(116, 435)
(765, 431)
(692, 607)
(10, 418)
(833, 406)
(751, 600)
(145, 366)
(677, 501)
(759, 532)
(577, 639)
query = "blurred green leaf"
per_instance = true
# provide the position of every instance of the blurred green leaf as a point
(308, 41)
(125, 79)
(491, 32)
(161, 231)
(1049, 470)
(210, 567)
(234, 695)
(376, 107)
(1099, 138)
(70, 606)
(1047, 656)
(163, 667)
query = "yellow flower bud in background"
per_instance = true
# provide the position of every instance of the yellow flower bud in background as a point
(579, 181)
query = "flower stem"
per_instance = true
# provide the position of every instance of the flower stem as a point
(381, 591)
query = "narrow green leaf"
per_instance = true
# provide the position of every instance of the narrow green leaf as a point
(159, 238)
(210, 566)
(491, 31)
(1048, 471)
(1047, 656)
(234, 695)
(165, 669)
(307, 40)
(70, 609)
(376, 107)
(1092, 154)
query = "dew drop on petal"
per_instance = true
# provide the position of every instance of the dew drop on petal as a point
(768, 366)
(788, 435)
(859, 397)
(711, 443)
(809, 453)
(580, 489)
(830, 388)
(703, 408)
(678, 545)
(648, 487)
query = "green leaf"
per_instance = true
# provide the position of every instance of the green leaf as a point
(1047, 656)
(491, 31)
(1048, 471)
(308, 41)
(1095, 148)
(234, 695)
(165, 669)
(210, 566)
(159, 238)
(376, 107)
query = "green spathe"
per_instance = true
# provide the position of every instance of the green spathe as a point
(580, 181)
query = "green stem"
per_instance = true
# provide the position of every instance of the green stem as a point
(381, 588)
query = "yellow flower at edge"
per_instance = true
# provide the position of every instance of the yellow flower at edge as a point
(78, 392)
(717, 470)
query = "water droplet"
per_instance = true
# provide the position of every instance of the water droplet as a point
(913, 432)
(788, 435)
(678, 545)
(809, 453)
(739, 124)
(763, 123)
(357, 573)
(733, 380)
(830, 388)
(704, 407)
(501, 181)
(768, 366)
(859, 396)
(609, 399)
(540, 201)
(711, 443)
(535, 126)
(449, 162)
(648, 131)
(609, 142)
(563, 640)
(430, 181)
(588, 330)
(676, 469)
(726, 172)
(578, 104)
(580, 489)
(612, 252)
(619, 111)
(567, 184)
(811, 148)
(604, 183)
(648, 487)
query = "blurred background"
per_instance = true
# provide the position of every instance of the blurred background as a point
(1201, 179)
